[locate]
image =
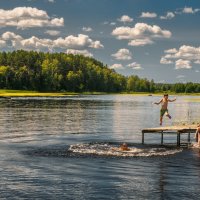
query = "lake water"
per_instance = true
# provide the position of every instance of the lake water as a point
(37, 133)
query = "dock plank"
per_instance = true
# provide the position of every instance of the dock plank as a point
(182, 128)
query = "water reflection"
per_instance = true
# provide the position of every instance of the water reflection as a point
(44, 128)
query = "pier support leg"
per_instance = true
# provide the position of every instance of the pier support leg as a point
(189, 137)
(162, 138)
(178, 139)
(142, 137)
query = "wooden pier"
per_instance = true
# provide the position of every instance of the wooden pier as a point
(178, 130)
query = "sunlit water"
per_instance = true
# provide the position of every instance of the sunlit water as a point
(66, 148)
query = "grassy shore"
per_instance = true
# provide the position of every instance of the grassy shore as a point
(26, 93)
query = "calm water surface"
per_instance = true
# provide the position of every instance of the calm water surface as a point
(36, 133)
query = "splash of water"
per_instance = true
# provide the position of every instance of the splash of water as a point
(106, 149)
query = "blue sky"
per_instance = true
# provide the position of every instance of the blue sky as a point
(154, 39)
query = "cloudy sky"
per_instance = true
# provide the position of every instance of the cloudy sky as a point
(154, 39)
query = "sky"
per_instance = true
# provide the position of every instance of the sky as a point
(154, 39)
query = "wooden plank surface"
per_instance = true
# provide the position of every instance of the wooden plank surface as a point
(182, 129)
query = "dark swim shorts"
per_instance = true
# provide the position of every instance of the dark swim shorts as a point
(163, 111)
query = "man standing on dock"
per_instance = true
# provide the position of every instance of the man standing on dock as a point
(164, 107)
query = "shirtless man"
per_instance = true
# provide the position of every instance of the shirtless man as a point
(164, 103)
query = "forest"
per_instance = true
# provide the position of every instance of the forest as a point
(39, 71)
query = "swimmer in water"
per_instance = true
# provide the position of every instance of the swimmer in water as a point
(164, 110)
(124, 147)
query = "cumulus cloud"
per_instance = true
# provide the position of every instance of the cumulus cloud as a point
(116, 66)
(183, 58)
(171, 51)
(51, 1)
(79, 52)
(169, 15)
(87, 29)
(35, 43)
(77, 42)
(122, 54)
(135, 66)
(148, 15)
(183, 64)
(190, 10)
(187, 10)
(28, 17)
(52, 32)
(165, 61)
(125, 19)
(141, 34)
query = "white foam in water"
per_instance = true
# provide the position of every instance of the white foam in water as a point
(111, 150)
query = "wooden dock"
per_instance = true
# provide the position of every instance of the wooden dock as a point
(178, 130)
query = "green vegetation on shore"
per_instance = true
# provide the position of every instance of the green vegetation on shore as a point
(65, 74)
(26, 93)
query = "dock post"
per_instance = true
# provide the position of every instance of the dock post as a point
(178, 139)
(162, 138)
(142, 137)
(189, 137)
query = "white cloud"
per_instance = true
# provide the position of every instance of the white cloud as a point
(140, 42)
(190, 10)
(51, 1)
(125, 18)
(165, 61)
(28, 17)
(87, 29)
(141, 34)
(169, 15)
(135, 66)
(11, 36)
(183, 57)
(35, 43)
(123, 54)
(52, 32)
(77, 42)
(171, 51)
(148, 15)
(180, 76)
(113, 23)
(183, 64)
(116, 66)
(79, 52)
(187, 10)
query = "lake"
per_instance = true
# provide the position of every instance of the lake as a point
(37, 133)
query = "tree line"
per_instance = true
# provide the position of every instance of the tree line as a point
(39, 71)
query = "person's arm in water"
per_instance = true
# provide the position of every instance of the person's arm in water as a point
(172, 100)
(157, 103)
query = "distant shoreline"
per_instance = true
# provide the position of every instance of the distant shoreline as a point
(26, 93)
